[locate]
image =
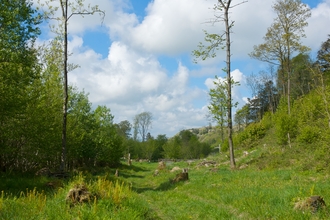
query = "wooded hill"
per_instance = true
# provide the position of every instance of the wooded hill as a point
(298, 132)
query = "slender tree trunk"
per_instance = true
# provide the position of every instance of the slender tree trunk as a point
(289, 84)
(289, 88)
(289, 107)
(65, 82)
(229, 105)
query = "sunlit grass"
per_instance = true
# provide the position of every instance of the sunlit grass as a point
(212, 192)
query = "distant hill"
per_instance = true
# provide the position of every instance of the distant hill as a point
(207, 134)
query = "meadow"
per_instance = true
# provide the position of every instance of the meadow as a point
(213, 191)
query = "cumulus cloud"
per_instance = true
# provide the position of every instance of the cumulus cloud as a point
(130, 83)
(316, 32)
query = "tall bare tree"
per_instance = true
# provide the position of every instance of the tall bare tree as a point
(68, 9)
(142, 124)
(222, 41)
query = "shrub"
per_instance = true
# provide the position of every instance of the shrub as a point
(267, 120)
(285, 124)
(251, 134)
(309, 134)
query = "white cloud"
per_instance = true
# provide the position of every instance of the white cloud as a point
(174, 27)
(170, 26)
(317, 30)
(129, 83)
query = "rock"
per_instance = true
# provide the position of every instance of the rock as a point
(243, 166)
(174, 169)
(207, 163)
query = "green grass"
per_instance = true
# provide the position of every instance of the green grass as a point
(210, 193)
(233, 194)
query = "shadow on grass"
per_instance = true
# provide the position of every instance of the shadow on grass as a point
(132, 168)
(15, 184)
(165, 186)
(129, 175)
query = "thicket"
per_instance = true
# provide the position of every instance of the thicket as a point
(186, 145)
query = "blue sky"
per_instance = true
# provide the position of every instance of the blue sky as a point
(139, 59)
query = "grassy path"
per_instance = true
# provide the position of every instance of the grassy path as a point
(227, 194)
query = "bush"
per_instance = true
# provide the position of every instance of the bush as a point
(186, 145)
(285, 124)
(267, 120)
(225, 146)
(309, 134)
(251, 134)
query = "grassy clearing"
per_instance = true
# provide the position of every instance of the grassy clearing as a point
(231, 194)
(213, 192)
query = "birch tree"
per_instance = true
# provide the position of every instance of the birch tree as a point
(283, 40)
(222, 41)
(68, 9)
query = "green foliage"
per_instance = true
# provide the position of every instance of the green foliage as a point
(302, 78)
(18, 72)
(267, 120)
(93, 136)
(172, 148)
(19, 26)
(108, 142)
(148, 149)
(185, 145)
(309, 134)
(225, 146)
(161, 140)
(251, 134)
(323, 56)
(285, 124)
(215, 42)
(288, 26)
(124, 128)
(242, 116)
(219, 100)
(310, 114)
